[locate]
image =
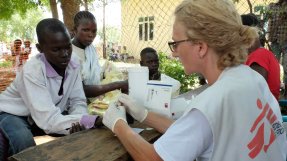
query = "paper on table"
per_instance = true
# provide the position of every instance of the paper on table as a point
(158, 97)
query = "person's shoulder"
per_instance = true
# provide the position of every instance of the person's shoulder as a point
(77, 51)
(232, 81)
(34, 67)
(91, 47)
(233, 78)
(261, 51)
(91, 52)
(75, 48)
(266, 53)
(259, 54)
(35, 62)
(75, 61)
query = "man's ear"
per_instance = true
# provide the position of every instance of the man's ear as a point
(141, 63)
(202, 49)
(73, 32)
(38, 46)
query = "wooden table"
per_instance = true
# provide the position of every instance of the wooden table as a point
(89, 145)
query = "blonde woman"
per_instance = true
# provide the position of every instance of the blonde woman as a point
(235, 119)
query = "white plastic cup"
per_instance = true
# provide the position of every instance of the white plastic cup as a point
(138, 78)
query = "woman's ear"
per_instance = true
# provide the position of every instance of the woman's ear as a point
(38, 46)
(202, 49)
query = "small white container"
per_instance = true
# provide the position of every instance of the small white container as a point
(138, 78)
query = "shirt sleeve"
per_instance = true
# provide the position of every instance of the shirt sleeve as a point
(190, 137)
(47, 116)
(88, 121)
(78, 104)
(77, 98)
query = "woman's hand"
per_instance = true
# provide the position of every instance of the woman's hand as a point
(138, 112)
(98, 122)
(113, 114)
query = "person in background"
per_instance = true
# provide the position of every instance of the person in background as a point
(113, 55)
(125, 53)
(262, 60)
(149, 58)
(209, 38)
(47, 86)
(85, 29)
(277, 34)
(118, 55)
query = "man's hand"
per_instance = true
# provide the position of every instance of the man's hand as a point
(98, 122)
(76, 127)
(138, 112)
(124, 86)
(113, 114)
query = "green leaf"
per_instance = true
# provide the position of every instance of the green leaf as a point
(174, 69)
(9, 7)
(20, 27)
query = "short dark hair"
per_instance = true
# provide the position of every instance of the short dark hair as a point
(83, 15)
(147, 50)
(249, 19)
(51, 25)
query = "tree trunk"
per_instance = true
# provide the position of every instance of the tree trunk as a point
(86, 5)
(54, 10)
(104, 29)
(250, 6)
(70, 8)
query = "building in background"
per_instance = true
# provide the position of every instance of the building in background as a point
(149, 23)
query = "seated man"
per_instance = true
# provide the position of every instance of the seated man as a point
(149, 58)
(49, 84)
(262, 60)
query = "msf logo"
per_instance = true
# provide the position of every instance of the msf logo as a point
(258, 144)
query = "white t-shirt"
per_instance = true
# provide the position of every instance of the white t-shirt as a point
(230, 107)
(90, 67)
(189, 138)
(180, 103)
(175, 84)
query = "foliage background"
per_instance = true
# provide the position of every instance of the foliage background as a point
(10, 7)
(5, 64)
(174, 69)
(18, 19)
(20, 26)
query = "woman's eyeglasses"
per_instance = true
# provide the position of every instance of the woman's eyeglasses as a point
(173, 45)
